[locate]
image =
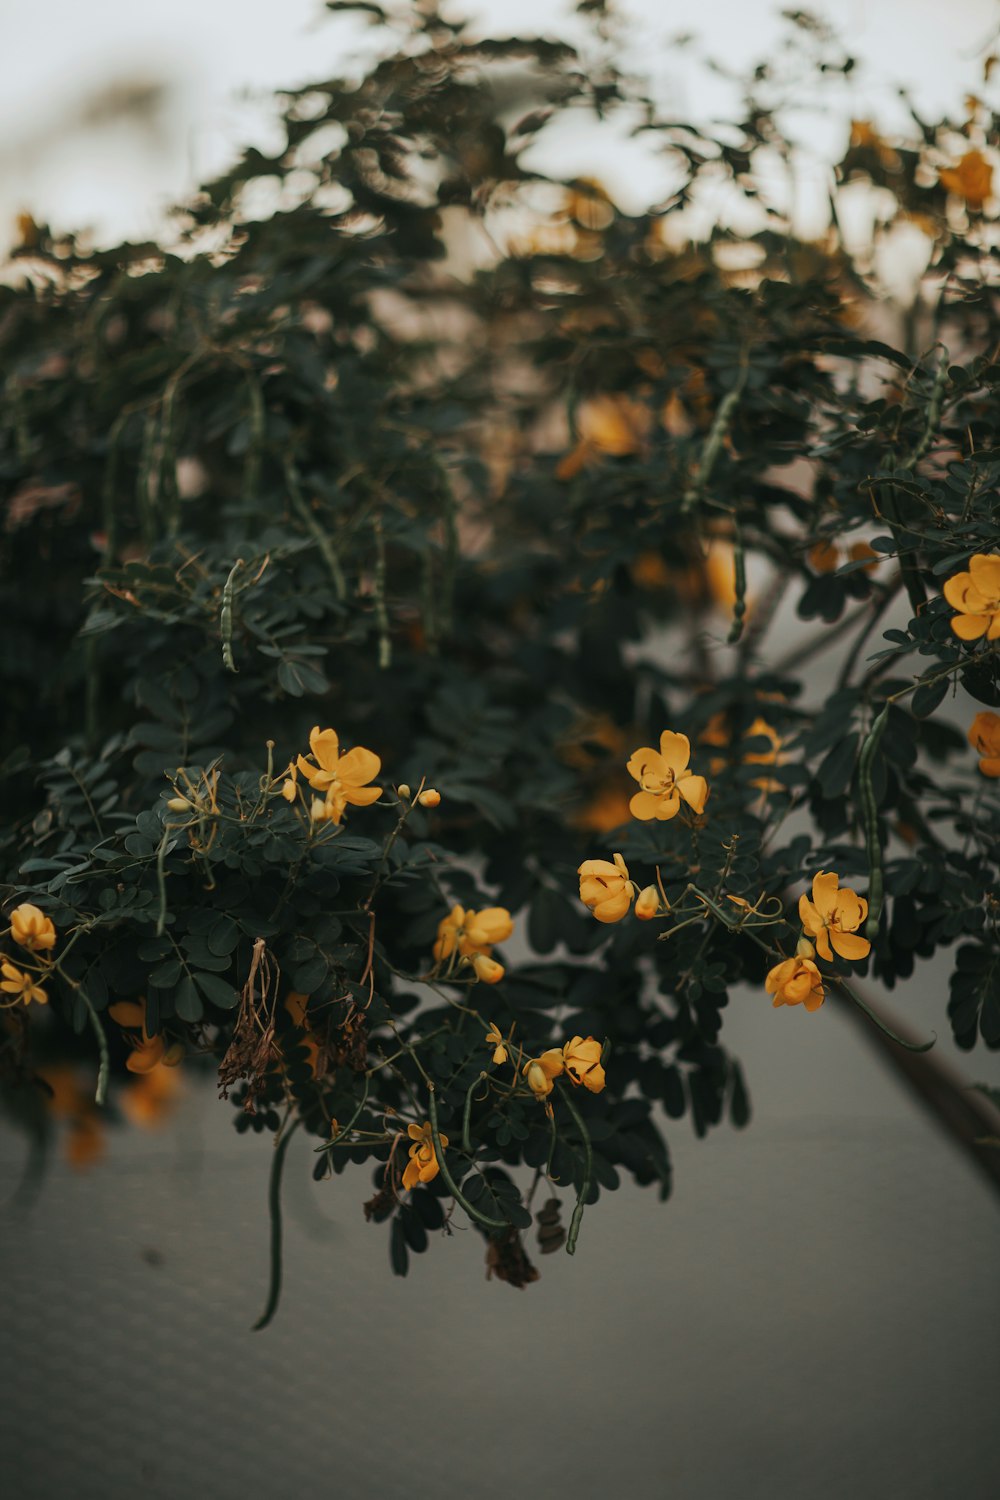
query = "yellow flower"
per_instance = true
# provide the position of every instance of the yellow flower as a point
(343, 778)
(67, 1099)
(976, 596)
(833, 916)
(296, 1005)
(606, 888)
(761, 729)
(984, 737)
(15, 982)
(647, 903)
(423, 1163)
(31, 928)
(582, 1057)
(540, 1071)
(796, 981)
(150, 1051)
(472, 932)
(607, 809)
(823, 556)
(495, 1040)
(864, 552)
(151, 1098)
(665, 778)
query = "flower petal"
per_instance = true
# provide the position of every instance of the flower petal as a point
(809, 916)
(128, 1013)
(824, 888)
(358, 766)
(676, 750)
(645, 759)
(970, 627)
(962, 594)
(694, 790)
(848, 945)
(614, 907)
(361, 796)
(316, 778)
(644, 806)
(984, 570)
(491, 925)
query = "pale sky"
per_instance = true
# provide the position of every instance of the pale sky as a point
(71, 154)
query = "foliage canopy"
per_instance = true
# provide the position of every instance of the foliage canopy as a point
(500, 482)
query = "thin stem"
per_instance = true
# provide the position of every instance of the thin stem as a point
(588, 1174)
(104, 1066)
(467, 1114)
(450, 1183)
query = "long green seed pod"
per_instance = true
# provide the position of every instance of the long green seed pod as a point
(713, 444)
(467, 1114)
(869, 811)
(274, 1207)
(226, 617)
(381, 612)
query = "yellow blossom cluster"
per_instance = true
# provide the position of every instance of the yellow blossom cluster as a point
(423, 1165)
(830, 923)
(467, 938)
(33, 931)
(579, 1059)
(148, 1052)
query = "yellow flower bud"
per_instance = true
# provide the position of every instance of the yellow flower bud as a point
(487, 969)
(430, 798)
(804, 948)
(647, 903)
(31, 928)
(404, 791)
(179, 804)
(322, 811)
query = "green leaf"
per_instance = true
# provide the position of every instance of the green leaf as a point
(834, 775)
(187, 1001)
(217, 990)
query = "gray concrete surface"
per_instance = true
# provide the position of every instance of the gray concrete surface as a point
(813, 1315)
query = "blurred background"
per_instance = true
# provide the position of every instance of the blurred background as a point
(112, 112)
(813, 1314)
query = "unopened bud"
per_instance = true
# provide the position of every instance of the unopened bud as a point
(320, 811)
(404, 791)
(647, 903)
(179, 804)
(430, 798)
(804, 948)
(487, 969)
